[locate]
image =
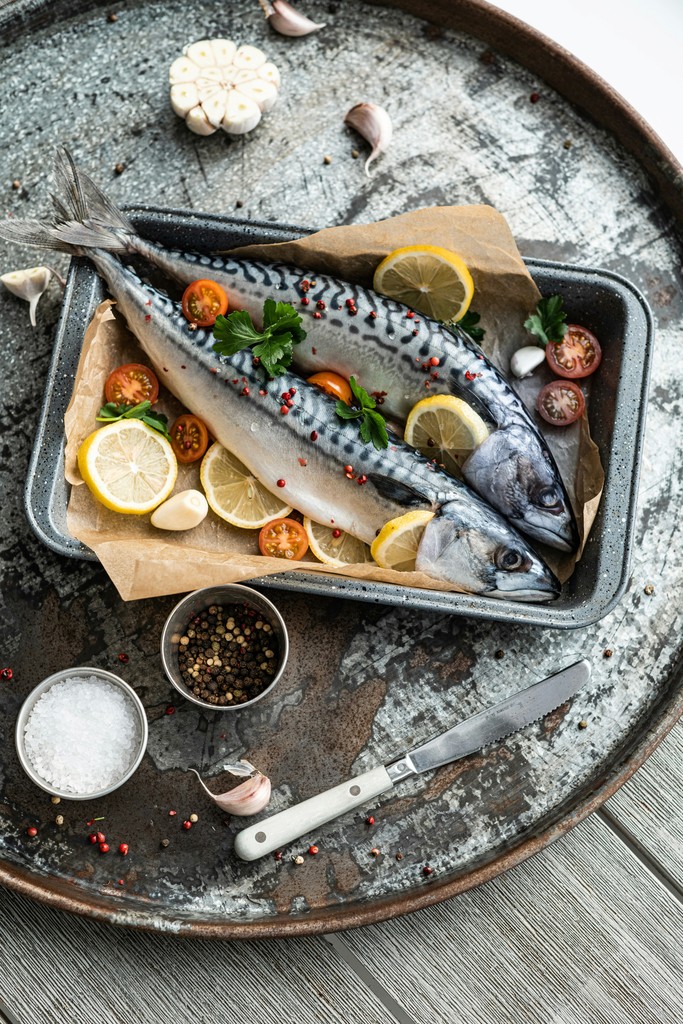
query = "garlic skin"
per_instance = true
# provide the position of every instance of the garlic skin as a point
(526, 360)
(28, 284)
(286, 20)
(182, 511)
(216, 84)
(374, 124)
(248, 798)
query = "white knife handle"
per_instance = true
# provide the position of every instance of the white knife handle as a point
(272, 833)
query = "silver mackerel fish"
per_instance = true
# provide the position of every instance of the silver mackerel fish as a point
(375, 341)
(301, 456)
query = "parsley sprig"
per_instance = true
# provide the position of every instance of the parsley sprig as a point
(372, 426)
(273, 345)
(469, 322)
(548, 322)
(111, 412)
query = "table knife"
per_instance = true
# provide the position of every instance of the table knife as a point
(489, 726)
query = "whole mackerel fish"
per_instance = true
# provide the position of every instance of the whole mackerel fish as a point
(376, 341)
(301, 456)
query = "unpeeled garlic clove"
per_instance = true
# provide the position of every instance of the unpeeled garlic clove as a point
(526, 360)
(28, 284)
(182, 511)
(286, 20)
(248, 798)
(374, 124)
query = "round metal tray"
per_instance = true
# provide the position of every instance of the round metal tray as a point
(581, 179)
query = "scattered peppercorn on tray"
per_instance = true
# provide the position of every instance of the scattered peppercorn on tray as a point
(612, 305)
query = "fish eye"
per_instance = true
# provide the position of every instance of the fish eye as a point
(509, 560)
(548, 499)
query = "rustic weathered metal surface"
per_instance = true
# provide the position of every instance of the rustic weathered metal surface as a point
(616, 312)
(362, 680)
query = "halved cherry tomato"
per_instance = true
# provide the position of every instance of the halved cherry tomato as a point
(203, 301)
(561, 402)
(577, 355)
(189, 438)
(283, 538)
(332, 384)
(130, 384)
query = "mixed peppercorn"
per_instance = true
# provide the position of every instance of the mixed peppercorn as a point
(228, 655)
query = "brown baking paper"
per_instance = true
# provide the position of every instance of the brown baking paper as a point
(144, 562)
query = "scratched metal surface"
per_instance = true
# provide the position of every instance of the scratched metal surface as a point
(362, 681)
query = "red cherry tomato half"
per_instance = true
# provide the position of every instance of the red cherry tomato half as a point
(203, 301)
(561, 402)
(283, 538)
(189, 438)
(131, 384)
(332, 384)
(577, 355)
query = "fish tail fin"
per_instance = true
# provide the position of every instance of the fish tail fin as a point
(84, 217)
(38, 233)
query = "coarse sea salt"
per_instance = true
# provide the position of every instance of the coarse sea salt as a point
(82, 735)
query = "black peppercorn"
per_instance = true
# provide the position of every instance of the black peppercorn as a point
(227, 658)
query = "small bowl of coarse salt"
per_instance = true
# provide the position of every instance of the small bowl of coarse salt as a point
(81, 733)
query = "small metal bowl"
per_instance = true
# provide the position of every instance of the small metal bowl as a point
(198, 602)
(83, 671)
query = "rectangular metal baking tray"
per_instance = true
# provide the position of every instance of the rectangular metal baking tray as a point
(609, 304)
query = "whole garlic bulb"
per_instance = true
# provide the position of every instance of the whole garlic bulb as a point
(216, 85)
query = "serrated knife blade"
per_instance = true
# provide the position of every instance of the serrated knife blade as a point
(487, 727)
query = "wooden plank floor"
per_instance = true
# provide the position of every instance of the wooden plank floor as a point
(588, 932)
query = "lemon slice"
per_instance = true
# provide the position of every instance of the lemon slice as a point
(341, 550)
(395, 546)
(234, 494)
(128, 466)
(445, 428)
(432, 280)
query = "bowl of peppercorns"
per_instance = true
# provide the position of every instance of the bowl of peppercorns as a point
(224, 647)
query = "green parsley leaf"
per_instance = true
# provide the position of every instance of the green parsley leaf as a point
(111, 412)
(273, 345)
(469, 322)
(548, 322)
(372, 426)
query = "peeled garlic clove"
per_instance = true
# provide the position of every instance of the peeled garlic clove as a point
(241, 114)
(374, 124)
(198, 122)
(183, 98)
(286, 20)
(183, 511)
(28, 284)
(201, 53)
(526, 360)
(248, 798)
(262, 93)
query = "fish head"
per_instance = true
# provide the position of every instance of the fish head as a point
(469, 546)
(515, 473)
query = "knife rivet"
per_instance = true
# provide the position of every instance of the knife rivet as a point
(355, 790)
(260, 837)
(400, 767)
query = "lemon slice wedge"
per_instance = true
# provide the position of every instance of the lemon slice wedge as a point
(341, 550)
(395, 546)
(432, 280)
(129, 467)
(234, 494)
(447, 429)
